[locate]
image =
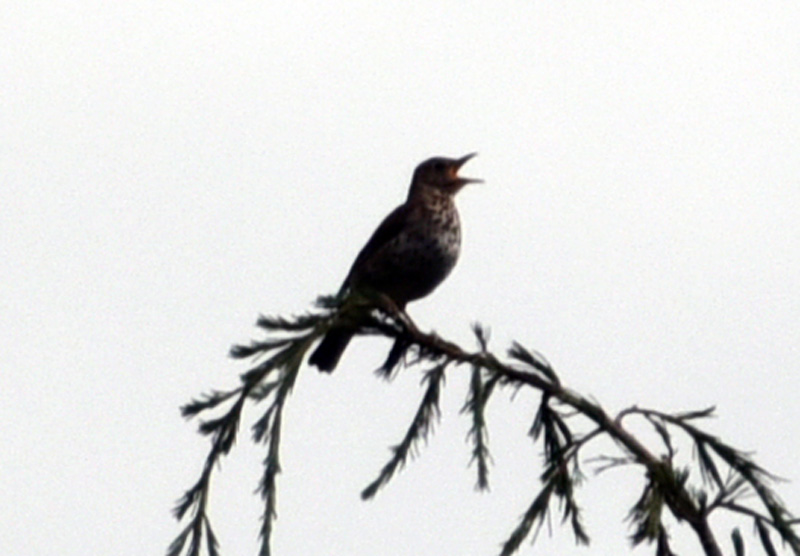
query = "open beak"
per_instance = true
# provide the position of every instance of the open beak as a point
(457, 166)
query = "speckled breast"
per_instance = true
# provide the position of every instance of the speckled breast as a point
(415, 262)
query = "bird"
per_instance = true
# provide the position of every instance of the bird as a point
(410, 253)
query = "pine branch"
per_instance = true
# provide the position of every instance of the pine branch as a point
(746, 476)
(421, 426)
(479, 392)
(480, 389)
(667, 486)
(258, 384)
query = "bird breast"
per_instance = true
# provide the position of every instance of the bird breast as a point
(423, 254)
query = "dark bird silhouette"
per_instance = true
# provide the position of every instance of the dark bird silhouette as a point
(411, 252)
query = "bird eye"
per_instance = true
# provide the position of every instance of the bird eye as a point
(439, 166)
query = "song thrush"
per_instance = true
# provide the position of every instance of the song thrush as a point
(411, 252)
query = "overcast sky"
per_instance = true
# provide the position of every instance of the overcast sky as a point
(172, 169)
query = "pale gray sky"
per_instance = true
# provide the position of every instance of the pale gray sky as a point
(171, 169)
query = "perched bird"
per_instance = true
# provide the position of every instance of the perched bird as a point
(411, 252)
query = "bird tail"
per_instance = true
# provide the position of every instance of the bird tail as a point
(330, 350)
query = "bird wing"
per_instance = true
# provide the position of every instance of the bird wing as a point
(390, 228)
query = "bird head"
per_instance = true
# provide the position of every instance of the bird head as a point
(442, 174)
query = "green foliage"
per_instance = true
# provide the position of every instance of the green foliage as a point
(729, 479)
(269, 381)
(421, 427)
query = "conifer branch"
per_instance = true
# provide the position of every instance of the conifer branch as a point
(668, 487)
